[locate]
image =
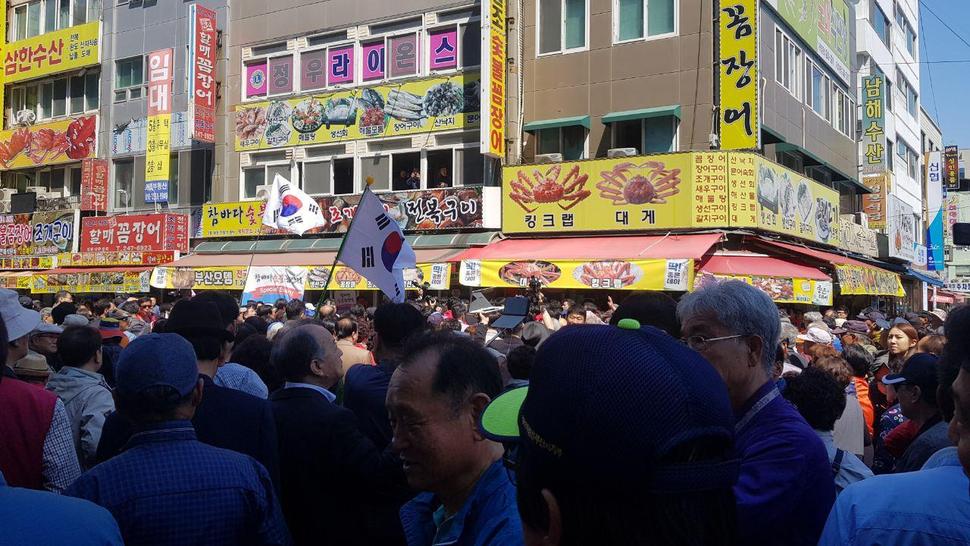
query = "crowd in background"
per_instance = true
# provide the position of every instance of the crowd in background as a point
(716, 419)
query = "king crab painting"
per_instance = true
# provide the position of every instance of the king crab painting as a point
(546, 188)
(520, 273)
(651, 183)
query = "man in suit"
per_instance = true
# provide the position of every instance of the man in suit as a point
(347, 338)
(329, 469)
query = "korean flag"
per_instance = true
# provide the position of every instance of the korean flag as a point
(375, 247)
(289, 209)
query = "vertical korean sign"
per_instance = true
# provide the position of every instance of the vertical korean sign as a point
(158, 146)
(874, 124)
(94, 185)
(201, 76)
(3, 40)
(739, 117)
(951, 155)
(934, 211)
(492, 133)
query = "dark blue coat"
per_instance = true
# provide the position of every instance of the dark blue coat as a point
(365, 391)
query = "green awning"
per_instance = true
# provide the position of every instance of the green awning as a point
(553, 123)
(643, 113)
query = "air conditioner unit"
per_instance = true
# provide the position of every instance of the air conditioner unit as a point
(262, 192)
(36, 189)
(621, 152)
(25, 118)
(549, 158)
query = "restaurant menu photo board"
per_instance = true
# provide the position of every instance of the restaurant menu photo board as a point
(107, 282)
(39, 234)
(780, 289)
(649, 274)
(440, 103)
(868, 281)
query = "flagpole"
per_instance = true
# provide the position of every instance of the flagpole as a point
(340, 249)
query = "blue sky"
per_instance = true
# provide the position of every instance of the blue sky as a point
(950, 81)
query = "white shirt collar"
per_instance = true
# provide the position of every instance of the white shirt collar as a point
(326, 394)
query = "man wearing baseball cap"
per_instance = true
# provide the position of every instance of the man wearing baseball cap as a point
(623, 436)
(167, 487)
(915, 387)
(36, 446)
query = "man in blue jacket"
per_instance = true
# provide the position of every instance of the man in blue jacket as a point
(434, 400)
(786, 487)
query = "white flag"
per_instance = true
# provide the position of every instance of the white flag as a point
(375, 247)
(289, 209)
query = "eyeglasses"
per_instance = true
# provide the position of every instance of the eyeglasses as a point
(700, 343)
(146, 306)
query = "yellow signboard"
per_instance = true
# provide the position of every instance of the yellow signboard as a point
(127, 282)
(52, 143)
(158, 147)
(739, 112)
(63, 50)
(868, 281)
(415, 107)
(437, 276)
(493, 78)
(651, 274)
(780, 289)
(237, 219)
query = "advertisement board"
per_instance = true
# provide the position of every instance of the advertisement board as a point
(39, 234)
(901, 230)
(63, 50)
(874, 124)
(268, 284)
(494, 58)
(874, 204)
(738, 73)
(437, 275)
(651, 274)
(780, 289)
(49, 143)
(115, 258)
(135, 232)
(858, 239)
(441, 103)
(15, 263)
(934, 211)
(951, 157)
(668, 191)
(108, 282)
(159, 146)
(202, 70)
(418, 210)
(94, 185)
(825, 26)
(868, 281)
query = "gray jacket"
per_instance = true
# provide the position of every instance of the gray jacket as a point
(88, 401)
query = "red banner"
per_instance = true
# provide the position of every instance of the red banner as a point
(202, 66)
(94, 185)
(135, 232)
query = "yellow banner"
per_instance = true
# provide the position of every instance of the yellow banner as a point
(438, 277)
(26, 262)
(780, 289)
(52, 53)
(94, 281)
(158, 147)
(238, 219)
(16, 281)
(868, 281)
(49, 143)
(738, 75)
(653, 274)
(415, 107)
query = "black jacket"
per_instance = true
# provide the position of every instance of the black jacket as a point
(225, 418)
(365, 388)
(332, 476)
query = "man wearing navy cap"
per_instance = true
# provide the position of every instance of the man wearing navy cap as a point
(624, 436)
(167, 487)
(915, 387)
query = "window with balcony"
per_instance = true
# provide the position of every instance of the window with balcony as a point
(129, 78)
(636, 19)
(124, 180)
(562, 25)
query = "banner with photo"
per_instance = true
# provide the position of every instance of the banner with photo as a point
(780, 289)
(868, 281)
(436, 275)
(650, 274)
(270, 283)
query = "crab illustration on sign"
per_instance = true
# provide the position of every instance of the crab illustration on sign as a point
(546, 188)
(632, 184)
(520, 273)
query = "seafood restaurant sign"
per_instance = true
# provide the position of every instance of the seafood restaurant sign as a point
(49, 143)
(136, 232)
(668, 191)
(434, 104)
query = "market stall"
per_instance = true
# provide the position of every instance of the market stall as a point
(784, 281)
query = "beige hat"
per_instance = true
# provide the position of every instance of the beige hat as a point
(32, 365)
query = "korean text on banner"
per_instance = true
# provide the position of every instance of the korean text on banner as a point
(127, 282)
(780, 289)
(492, 133)
(233, 277)
(868, 281)
(267, 284)
(3, 38)
(64, 50)
(375, 248)
(951, 156)
(739, 112)
(158, 147)
(651, 274)
(51, 143)
(136, 232)
(874, 204)
(824, 25)
(874, 124)
(934, 211)
(39, 234)
(94, 185)
(202, 71)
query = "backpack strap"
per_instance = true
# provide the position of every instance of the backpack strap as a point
(837, 463)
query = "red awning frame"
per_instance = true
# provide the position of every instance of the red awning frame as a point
(642, 247)
(819, 255)
(742, 263)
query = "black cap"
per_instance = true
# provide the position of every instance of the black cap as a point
(919, 369)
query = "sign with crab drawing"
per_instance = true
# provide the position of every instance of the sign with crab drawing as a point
(650, 274)
(48, 144)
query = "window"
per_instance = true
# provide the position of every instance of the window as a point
(42, 16)
(124, 180)
(844, 112)
(818, 91)
(268, 73)
(27, 20)
(889, 155)
(173, 179)
(880, 23)
(59, 97)
(264, 174)
(129, 78)
(909, 95)
(913, 162)
(788, 61)
(648, 135)
(406, 169)
(906, 30)
(633, 16)
(562, 25)
(453, 47)
(376, 168)
(569, 141)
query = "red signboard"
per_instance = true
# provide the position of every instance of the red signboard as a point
(202, 66)
(135, 232)
(94, 185)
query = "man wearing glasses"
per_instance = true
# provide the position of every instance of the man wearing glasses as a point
(786, 487)
(145, 312)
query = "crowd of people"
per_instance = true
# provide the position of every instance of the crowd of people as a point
(718, 419)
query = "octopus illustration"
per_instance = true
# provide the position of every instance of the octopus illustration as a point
(519, 273)
(654, 187)
(546, 188)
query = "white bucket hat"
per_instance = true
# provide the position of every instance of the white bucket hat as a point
(18, 320)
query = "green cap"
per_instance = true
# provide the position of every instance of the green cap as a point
(500, 420)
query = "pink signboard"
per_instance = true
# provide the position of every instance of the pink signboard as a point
(340, 65)
(443, 50)
(281, 75)
(373, 57)
(160, 82)
(403, 55)
(256, 79)
(312, 73)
